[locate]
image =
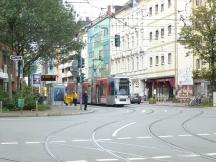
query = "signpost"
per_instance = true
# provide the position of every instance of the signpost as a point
(15, 57)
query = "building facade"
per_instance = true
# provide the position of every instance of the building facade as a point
(149, 52)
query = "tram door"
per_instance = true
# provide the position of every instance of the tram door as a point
(97, 94)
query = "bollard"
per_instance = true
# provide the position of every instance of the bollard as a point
(1, 106)
(36, 105)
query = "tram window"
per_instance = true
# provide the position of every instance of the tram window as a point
(124, 87)
(112, 88)
(103, 91)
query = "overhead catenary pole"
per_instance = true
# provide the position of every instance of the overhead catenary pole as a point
(80, 76)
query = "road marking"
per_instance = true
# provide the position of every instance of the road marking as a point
(32, 142)
(57, 141)
(162, 157)
(167, 136)
(81, 140)
(105, 139)
(78, 161)
(144, 111)
(106, 159)
(144, 137)
(165, 110)
(125, 138)
(115, 133)
(137, 158)
(9, 143)
(184, 135)
(190, 155)
(203, 134)
(210, 154)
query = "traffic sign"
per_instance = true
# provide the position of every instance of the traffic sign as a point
(15, 57)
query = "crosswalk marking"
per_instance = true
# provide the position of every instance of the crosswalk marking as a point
(9, 143)
(32, 142)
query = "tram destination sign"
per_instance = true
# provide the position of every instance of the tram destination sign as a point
(15, 57)
(48, 77)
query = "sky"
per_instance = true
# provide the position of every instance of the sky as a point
(93, 8)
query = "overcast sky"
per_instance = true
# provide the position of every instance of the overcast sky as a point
(94, 8)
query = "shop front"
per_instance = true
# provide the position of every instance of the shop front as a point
(160, 88)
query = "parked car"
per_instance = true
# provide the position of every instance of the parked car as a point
(135, 98)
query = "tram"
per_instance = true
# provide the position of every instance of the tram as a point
(111, 90)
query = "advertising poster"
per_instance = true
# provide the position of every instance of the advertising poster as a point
(36, 78)
(59, 91)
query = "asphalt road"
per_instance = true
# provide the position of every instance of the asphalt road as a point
(134, 133)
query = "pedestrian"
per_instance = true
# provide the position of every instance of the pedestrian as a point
(75, 98)
(85, 100)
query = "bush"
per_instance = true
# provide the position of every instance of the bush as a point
(152, 101)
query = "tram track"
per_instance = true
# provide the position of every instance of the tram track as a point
(175, 146)
(46, 143)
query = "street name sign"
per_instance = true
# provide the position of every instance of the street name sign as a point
(15, 57)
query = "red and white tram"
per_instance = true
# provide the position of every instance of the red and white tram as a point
(112, 90)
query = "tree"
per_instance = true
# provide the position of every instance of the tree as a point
(200, 37)
(38, 29)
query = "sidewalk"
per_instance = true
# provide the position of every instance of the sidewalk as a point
(59, 110)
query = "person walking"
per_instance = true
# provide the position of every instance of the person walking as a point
(85, 100)
(75, 98)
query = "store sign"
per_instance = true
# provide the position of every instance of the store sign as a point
(48, 77)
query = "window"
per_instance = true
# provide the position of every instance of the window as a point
(150, 11)
(169, 30)
(162, 33)
(198, 64)
(162, 60)
(150, 61)
(156, 9)
(150, 36)
(198, 2)
(156, 34)
(162, 7)
(169, 58)
(157, 61)
(169, 3)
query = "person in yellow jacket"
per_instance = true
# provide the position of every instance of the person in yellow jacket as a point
(75, 98)
(68, 99)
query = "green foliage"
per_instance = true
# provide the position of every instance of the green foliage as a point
(36, 30)
(152, 101)
(203, 73)
(200, 37)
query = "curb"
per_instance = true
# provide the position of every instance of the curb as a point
(43, 114)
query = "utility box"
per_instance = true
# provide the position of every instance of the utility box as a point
(214, 99)
(20, 102)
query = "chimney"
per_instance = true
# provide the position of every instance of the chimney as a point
(109, 12)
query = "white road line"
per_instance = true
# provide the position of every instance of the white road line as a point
(165, 110)
(184, 135)
(136, 159)
(78, 161)
(162, 157)
(105, 139)
(116, 131)
(211, 154)
(32, 142)
(106, 159)
(144, 137)
(167, 136)
(144, 111)
(9, 143)
(80, 140)
(190, 155)
(124, 138)
(57, 141)
(203, 134)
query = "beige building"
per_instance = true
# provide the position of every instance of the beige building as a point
(149, 52)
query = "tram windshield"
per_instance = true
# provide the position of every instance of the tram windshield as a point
(122, 86)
